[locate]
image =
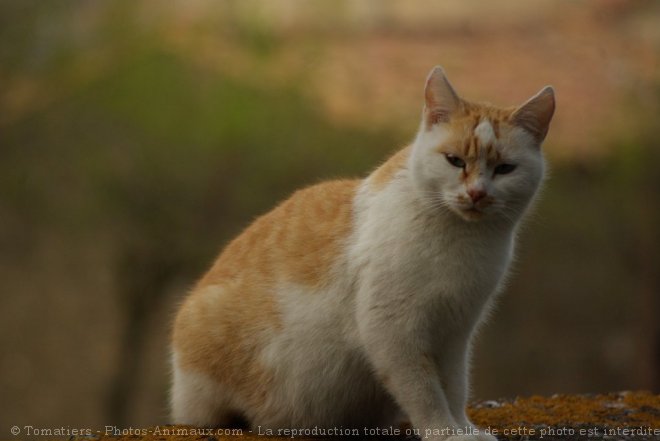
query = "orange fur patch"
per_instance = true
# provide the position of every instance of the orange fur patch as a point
(465, 144)
(296, 242)
(231, 312)
(384, 174)
(218, 331)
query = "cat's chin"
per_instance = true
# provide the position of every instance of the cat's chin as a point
(470, 214)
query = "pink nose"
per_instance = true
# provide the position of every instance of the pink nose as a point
(476, 194)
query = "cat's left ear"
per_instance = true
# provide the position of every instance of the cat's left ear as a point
(441, 101)
(535, 115)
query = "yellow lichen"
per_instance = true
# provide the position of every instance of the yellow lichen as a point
(510, 418)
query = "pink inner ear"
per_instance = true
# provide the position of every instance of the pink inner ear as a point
(437, 115)
(530, 123)
(441, 99)
(535, 115)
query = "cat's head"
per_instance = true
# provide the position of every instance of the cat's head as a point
(477, 160)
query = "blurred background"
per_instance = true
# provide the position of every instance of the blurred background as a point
(137, 137)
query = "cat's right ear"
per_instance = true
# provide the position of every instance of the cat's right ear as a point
(441, 101)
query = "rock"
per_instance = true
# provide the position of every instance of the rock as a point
(615, 416)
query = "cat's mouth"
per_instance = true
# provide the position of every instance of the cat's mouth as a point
(469, 210)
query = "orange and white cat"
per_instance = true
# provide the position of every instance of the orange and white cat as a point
(355, 301)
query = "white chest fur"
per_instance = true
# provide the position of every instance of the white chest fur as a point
(423, 261)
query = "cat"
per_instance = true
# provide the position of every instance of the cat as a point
(355, 301)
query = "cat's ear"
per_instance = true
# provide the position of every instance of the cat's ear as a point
(535, 115)
(440, 98)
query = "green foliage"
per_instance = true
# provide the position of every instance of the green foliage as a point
(158, 151)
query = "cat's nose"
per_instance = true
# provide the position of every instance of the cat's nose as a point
(476, 194)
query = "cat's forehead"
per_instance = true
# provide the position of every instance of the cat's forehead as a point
(482, 119)
(479, 131)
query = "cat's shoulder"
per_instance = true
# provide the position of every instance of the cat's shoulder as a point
(321, 198)
(333, 188)
(386, 172)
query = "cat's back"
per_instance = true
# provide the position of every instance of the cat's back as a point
(298, 241)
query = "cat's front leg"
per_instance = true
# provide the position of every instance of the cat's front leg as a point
(401, 360)
(411, 378)
(400, 342)
(453, 366)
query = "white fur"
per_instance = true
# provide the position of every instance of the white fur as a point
(392, 331)
(423, 292)
(485, 133)
(322, 374)
(197, 399)
(426, 277)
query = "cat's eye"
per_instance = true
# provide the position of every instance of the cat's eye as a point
(455, 160)
(504, 169)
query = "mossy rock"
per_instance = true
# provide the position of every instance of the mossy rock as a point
(613, 416)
